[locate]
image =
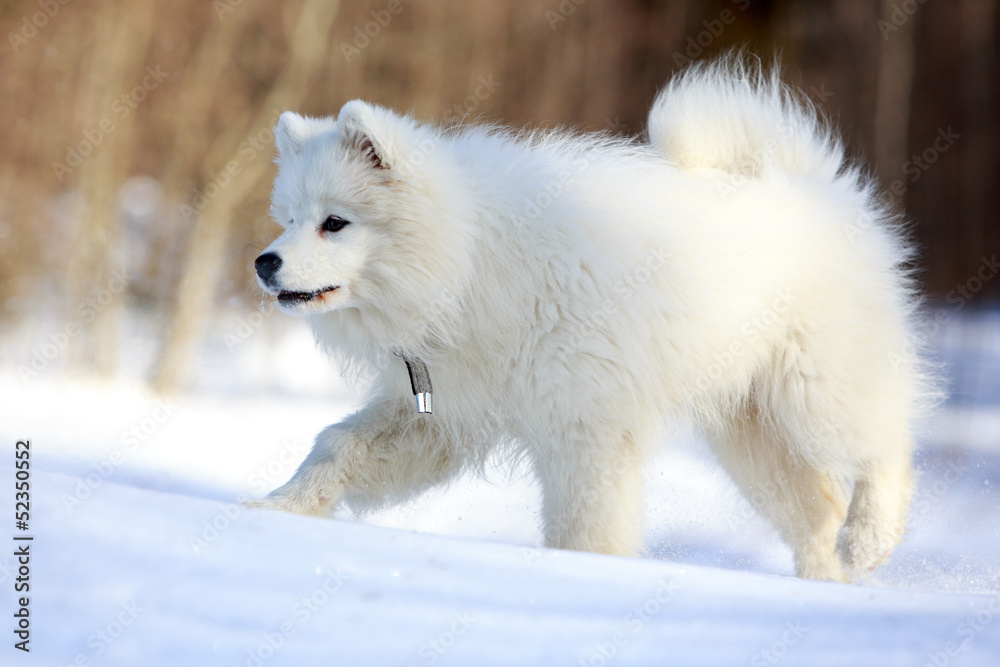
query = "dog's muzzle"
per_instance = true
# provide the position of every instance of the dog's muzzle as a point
(267, 266)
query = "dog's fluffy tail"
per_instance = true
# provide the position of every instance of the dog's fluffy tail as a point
(731, 114)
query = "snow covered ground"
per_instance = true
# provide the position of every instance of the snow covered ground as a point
(142, 556)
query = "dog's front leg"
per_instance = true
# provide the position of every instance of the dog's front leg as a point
(384, 452)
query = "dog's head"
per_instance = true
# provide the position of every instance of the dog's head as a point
(371, 213)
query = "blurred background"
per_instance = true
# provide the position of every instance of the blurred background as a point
(137, 147)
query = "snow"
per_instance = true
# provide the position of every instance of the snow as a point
(143, 556)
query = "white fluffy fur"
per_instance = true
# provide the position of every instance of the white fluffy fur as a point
(571, 293)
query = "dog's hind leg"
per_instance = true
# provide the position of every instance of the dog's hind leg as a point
(851, 414)
(876, 518)
(383, 454)
(805, 504)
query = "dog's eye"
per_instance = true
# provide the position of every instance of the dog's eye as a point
(333, 224)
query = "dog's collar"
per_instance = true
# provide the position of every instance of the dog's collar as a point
(420, 382)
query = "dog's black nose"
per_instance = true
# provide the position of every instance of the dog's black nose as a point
(267, 265)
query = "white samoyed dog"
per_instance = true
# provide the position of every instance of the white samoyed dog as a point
(564, 296)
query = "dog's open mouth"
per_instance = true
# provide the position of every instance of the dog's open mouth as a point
(291, 298)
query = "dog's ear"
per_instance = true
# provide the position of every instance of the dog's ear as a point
(291, 130)
(365, 131)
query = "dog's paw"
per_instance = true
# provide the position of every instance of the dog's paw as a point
(821, 566)
(866, 546)
(268, 503)
(318, 504)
